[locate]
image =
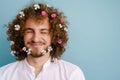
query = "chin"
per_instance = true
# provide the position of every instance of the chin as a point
(36, 52)
(36, 55)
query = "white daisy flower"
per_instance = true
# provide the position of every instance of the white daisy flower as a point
(66, 29)
(13, 52)
(12, 43)
(43, 52)
(48, 5)
(36, 6)
(50, 48)
(21, 13)
(24, 49)
(17, 27)
(28, 51)
(60, 26)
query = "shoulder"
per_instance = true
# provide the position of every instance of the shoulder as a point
(72, 69)
(67, 65)
(9, 67)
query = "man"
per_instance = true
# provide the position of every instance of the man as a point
(38, 37)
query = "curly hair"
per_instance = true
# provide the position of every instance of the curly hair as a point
(58, 29)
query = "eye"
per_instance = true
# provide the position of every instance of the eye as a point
(28, 31)
(45, 32)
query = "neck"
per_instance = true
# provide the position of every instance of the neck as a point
(38, 62)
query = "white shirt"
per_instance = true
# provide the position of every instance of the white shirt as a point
(61, 70)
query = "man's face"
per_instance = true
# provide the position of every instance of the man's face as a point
(37, 36)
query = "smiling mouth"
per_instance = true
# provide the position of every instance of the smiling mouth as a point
(35, 44)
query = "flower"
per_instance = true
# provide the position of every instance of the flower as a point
(66, 29)
(21, 13)
(13, 52)
(28, 51)
(50, 48)
(12, 43)
(36, 6)
(53, 15)
(24, 49)
(54, 60)
(17, 27)
(59, 41)
(8, 30)
(48, 5)
(60, 26)
(62, 19)
(21, 50)
(66, 35)
(43, 52)
(43, 13)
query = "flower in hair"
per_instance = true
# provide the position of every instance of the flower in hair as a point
(66, 35)
(17, 27)
(60, 25)
(53, 15)
(66, 29)
(24, 49)
(54, 60)
(59, 41)
(8, 30)
(43, 13)
(50, 48)
(13, 52)
(43, 52)
(21, 50)
(62, 19)
(12, 43)
(28, 51)
(64, 46)
(48, 5)
(21, 13)
(36, 6)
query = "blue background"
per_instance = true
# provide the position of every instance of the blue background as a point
(94, 33)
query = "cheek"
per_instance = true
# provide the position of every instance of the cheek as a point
(49, 39)
(27, 38)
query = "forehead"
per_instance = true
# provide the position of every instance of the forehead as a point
(37, 23)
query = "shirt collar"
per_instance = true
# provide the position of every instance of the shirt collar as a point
(30, 68)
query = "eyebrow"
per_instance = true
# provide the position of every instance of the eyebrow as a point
(44, 29)
(33, 29)
(28, 29)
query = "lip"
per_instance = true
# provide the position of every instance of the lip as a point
(36, 44)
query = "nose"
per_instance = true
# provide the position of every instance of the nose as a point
(36, 37)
